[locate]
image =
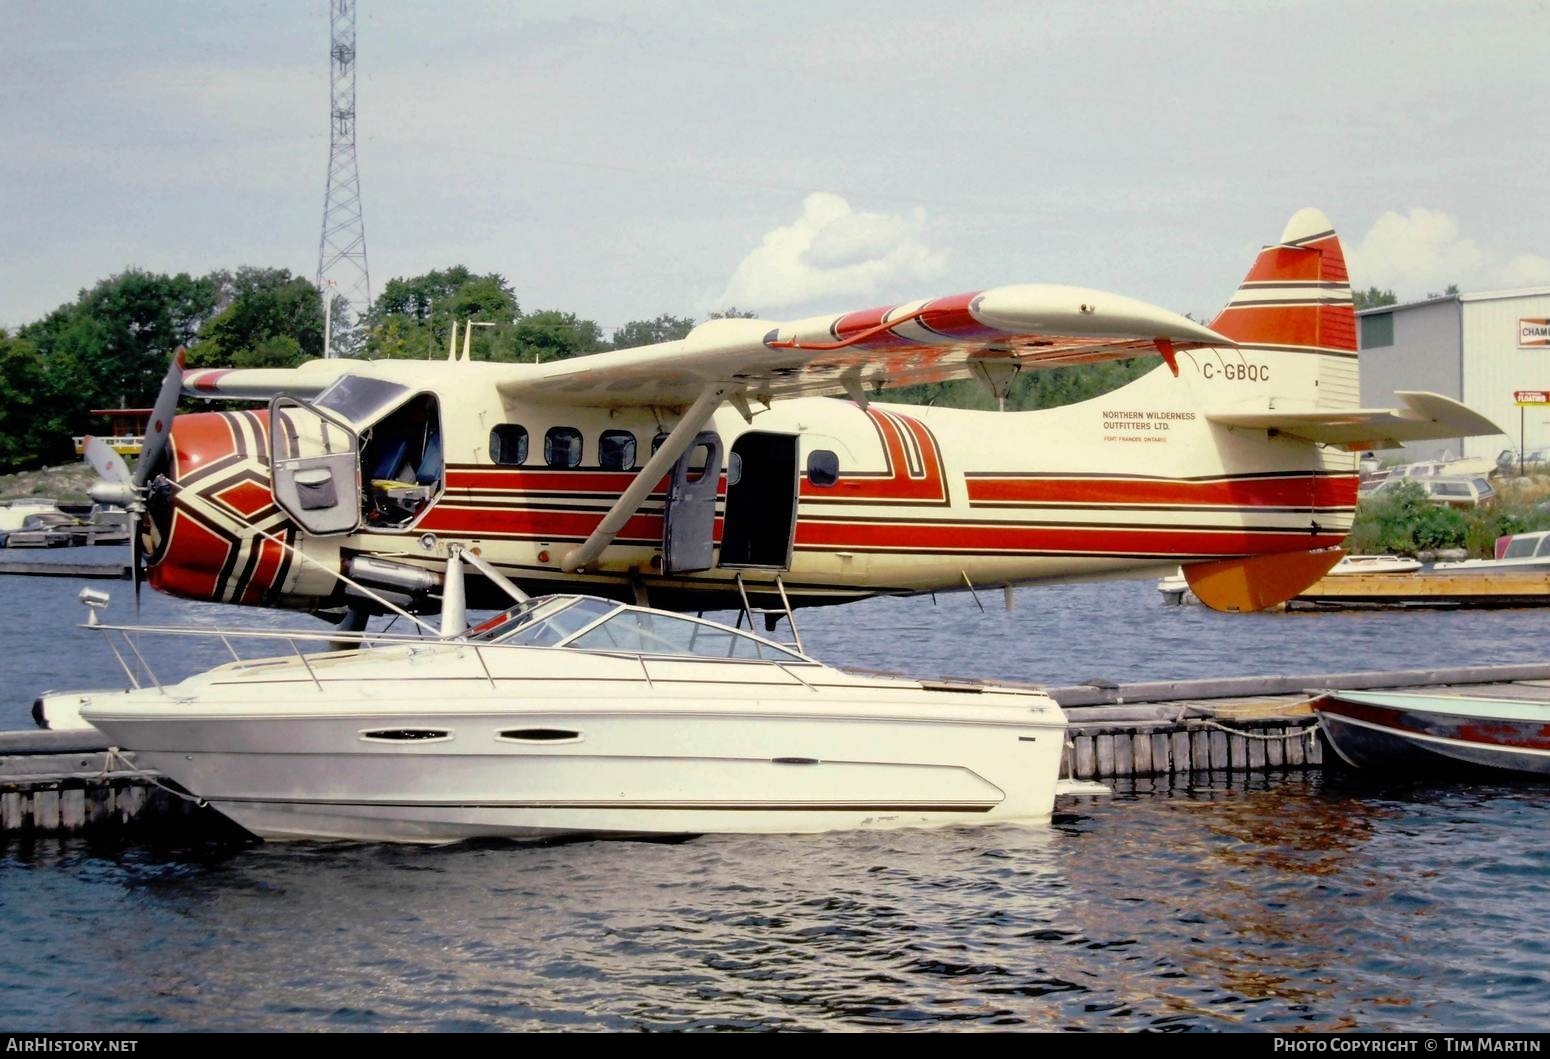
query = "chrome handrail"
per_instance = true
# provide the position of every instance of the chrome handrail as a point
(367, 639)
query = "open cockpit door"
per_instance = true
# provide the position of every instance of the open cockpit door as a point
(690, 523)
(315, 462)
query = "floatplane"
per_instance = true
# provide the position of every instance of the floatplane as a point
(751, 461)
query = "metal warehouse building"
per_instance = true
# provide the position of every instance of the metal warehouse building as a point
(1476, 348)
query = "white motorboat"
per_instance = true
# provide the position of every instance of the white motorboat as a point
(572, 715)
(1520, 553)
(1374, 564)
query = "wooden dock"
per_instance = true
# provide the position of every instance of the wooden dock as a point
(1428, 589)
(65, 782)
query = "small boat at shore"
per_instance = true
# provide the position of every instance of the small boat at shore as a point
(1407, 731)
(1518, 553)
(576, 716)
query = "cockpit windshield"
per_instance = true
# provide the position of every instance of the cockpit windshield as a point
(360, 399)
(590, 624)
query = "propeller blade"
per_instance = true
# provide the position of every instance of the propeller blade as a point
(136, 553)
(105, 460)
(160, 426)
(114, 484)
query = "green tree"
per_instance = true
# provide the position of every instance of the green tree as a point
(110, 347)
(1032, 388)
(551, 335)
(732, 312)
(1372, 297)
(414, 317)
(25, 416)
(270, 319)
(664, 328)
(1402, 521)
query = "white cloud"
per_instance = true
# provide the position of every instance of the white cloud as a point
(832, 252)
(1424, 251)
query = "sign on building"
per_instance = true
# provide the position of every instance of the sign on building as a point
(1533, 334)
(1527, 397)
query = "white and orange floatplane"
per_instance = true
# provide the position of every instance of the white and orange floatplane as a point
(718, 469)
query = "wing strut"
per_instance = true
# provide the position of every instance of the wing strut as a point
(629, 501)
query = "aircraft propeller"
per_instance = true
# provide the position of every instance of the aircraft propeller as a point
(117, 486)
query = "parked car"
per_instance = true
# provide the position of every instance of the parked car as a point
(1473, 491)
(1535, 461)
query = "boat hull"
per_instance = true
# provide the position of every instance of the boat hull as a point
(609, 770)
(1416, 732)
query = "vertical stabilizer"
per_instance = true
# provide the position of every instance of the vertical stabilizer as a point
(1295, 303)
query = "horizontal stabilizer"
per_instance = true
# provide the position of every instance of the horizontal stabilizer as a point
(1423, 417)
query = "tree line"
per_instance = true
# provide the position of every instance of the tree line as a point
(109, 347)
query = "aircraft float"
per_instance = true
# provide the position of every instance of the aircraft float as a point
(750, 461)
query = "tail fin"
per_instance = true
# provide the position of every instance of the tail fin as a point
(1293, 317)
(1295, 307)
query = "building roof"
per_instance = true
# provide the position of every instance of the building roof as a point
(1476, 296)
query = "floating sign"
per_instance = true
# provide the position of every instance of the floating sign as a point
(1527, 397)
(1533, 333)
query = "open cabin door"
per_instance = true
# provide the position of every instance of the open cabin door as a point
(761, 501)
(690, 520)
(314, 459)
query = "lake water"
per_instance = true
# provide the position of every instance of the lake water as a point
(1301, 901)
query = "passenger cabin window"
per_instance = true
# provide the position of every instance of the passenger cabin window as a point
(508, 445)
(699, 455)
(562, 447)
(1544, 546)
(823, 467)
(616, 450)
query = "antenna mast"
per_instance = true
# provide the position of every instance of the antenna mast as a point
(342, 248)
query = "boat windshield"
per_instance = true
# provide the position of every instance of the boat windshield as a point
(1521, 547)
(591, 624)
(543, 622)
(653, 633)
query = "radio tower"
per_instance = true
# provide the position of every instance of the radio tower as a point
(342, 248)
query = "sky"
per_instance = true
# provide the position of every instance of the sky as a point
(622, 160)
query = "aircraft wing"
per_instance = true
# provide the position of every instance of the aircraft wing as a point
(987, 334)
(1424, 417)
(260, 384)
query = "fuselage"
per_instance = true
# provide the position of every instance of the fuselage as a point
(837, 500)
